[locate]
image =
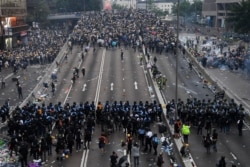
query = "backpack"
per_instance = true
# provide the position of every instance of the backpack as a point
(155, 140)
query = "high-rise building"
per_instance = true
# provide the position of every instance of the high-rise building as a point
(216, 11)
(13, 29)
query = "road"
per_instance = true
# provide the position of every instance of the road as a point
(109, 78)
(230, 145)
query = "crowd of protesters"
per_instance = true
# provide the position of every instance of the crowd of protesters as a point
(31, 125)
(41, 48)
(213, 52)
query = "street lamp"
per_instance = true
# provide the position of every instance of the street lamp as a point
(176, 70)
(84, 5)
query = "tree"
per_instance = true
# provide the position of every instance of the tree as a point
(239, 17)
(79, 5)
(196, 7)
(149, 4)
(118, 7)
(159, 12)
(184, 8)
(62, 5)
(39, 13)
(42, 11)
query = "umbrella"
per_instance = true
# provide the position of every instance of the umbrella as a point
(122, 160)
(114, 43)
(100, 41)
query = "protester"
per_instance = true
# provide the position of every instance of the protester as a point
(23, 154)
(135, 119)
(102, 143)
(160, 160)
(222, 162)
(20, 92)
(214, 140)
(177, 128)
(240, 124)
(207, 142)
(129, 144)
(113, 159)
(136, 154)
(83, 71)
(2, 82)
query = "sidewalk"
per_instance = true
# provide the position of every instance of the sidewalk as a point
(235, 85)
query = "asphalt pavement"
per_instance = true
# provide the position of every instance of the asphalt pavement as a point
(234, 84)
(28, 79)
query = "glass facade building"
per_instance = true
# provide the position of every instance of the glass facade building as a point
(13, 29)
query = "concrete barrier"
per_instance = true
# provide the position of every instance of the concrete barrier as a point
(187, 161)
(46, 78)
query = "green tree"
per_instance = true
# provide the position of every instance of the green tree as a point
(79, 5)
(39, 13)
(196, 7)
(42, 11)
(62, 5)
(239, 17)
(159, 12)
(149, 4)
(184, 8)
(118, 7)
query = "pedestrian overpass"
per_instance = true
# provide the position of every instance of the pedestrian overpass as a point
(64, 16)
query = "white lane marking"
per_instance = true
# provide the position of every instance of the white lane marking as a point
(86, 158)
(234, 157)
(83, 158)
(85, 155)
(84, 87)
(92, 79)
(135, 83)
(111, 86)
(100, 78)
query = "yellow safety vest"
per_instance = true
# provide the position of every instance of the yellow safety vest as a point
(185, 130)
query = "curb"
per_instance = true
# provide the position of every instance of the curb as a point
(187, 161)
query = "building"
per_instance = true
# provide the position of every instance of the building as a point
(216, 11)
(125, 3)
(164, 5)
(13, 29)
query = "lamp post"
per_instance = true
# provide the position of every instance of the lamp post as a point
(84, 5)
(176, 70)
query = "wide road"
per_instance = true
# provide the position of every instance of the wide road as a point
(108, 78)
(230, 145)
